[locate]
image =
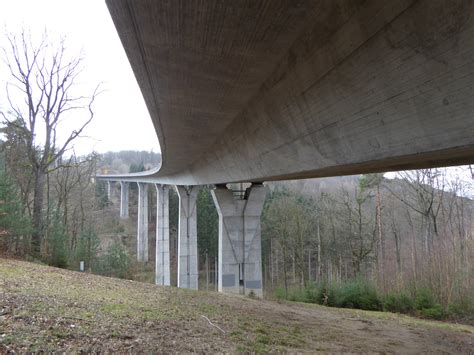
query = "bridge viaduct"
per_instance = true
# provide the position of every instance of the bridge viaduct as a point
(239, 259)
(254, 91)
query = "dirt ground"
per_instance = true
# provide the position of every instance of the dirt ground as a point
(43, 308)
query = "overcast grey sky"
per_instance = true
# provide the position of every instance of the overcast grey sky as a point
(122, 121)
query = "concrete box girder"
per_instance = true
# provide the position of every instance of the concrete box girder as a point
(283, 89)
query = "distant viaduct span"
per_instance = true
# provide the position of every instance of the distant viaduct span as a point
(260, 90)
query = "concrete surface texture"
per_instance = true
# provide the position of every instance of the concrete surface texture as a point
(110, 189)
(124, 201)
(275, 89)
(142, 224)
(240, 247)
(187, 237)
(162, 260)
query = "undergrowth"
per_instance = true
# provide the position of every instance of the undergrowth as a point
(361, 294)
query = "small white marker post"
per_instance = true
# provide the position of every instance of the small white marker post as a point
(81, 266)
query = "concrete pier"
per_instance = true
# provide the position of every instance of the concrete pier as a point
(124, 199)
(240, 266)
(109, 189)
(187, 237)
(142, 225)
(162, 263)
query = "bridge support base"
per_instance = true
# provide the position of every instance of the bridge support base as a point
(162, 263)
(142, 225)
(123, 199)
(240, 266)
(187, 237)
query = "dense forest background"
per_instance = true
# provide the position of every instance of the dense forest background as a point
(393, 242)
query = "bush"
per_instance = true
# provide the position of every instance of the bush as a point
(58, 242)
(425, 303)
(309, 294)
(280, 293)
(15, 225)
(359, 294)
(312, 293)
(425, 299)
(463, 308)
(355, 294)
(88, 247)
(331, 296)
(435, 312)
(116, 262)
(398, 303)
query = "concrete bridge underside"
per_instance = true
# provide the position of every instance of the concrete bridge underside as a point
(277, 89)
(252, 91)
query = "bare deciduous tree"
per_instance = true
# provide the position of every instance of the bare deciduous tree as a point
(40, 96)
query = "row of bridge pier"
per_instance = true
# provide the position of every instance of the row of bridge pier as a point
(239, 251)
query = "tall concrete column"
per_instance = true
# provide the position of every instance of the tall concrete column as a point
(142, 225)
(124, 199)
(162, 265)
(109, 189)
(240, 249)
(187, 237)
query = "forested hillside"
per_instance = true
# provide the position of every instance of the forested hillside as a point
(403, 244)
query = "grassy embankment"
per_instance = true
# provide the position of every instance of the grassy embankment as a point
(43, 308)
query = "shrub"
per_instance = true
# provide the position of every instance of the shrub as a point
(298, 295)
(398, 303)
(462, 308)
(58, 242)
(15, 225)
(280, 293)
(359, 294)
(332, 296)
(88, 247)
(116, 262)
(425, 303)
(312, 293)
(435, 312)
(425, 299)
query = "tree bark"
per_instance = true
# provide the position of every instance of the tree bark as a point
(37, 235)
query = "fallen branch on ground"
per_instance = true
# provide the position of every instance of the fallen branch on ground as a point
(215, 326)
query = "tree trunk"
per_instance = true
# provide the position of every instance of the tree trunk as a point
(271, 262)
(309, 265)
(318, 272)
(284, 273)
(381, 240)
(37, 234)
(207, 272)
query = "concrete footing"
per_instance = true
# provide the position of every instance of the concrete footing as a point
(162, 266)
(187, 237)
(123, 199)
(240, 266)
(142, 225)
